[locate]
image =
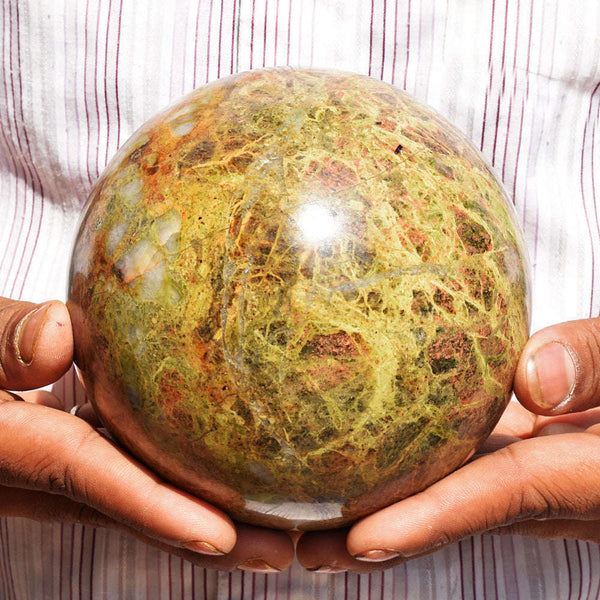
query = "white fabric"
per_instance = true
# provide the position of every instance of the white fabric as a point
(521, 79)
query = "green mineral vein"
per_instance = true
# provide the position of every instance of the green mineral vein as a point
(270, 358)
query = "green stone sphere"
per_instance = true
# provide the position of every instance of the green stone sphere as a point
(300, 295)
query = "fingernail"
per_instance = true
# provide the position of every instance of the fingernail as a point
(203, 548)
(28, 332)
(257, 565)
(378, 555)
(327, 569)
(551, 375)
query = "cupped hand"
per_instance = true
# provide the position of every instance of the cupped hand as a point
(537, 475)
(56, 466)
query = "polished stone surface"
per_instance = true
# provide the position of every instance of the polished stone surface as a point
(300, 295)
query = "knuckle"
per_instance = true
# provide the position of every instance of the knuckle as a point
(530, 498)
(546, 494)
(73, 478)
(42, 473)
(58, 472)
(86, 515)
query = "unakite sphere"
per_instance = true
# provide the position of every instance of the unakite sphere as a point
(300, 295)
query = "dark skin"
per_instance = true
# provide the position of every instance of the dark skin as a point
(538, 474)
(58, 467)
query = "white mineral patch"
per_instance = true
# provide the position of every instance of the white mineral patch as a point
(114, 236)
(138, 260)
(166, 226)
(131, 192)
(134, 334)
(182, 127)
(82, 257)
(172, 244)
(151, 282)
(187, 110)
(155, 285)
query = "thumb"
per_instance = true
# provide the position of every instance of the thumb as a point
(549, 477)
(559, 369)
(36, 343)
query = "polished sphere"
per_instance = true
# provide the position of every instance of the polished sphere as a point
(300, 295)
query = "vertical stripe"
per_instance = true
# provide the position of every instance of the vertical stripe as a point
(8, 154)
(197, 41)
(219, 52)
(289, 33)
(589, 195)
(491, 74)
(27, 232)
(502, 86)
(276, 36)
(235, 37)
(524, 101)
(371, 35)
(462, 568)
(32, 235)
(117, 54)
(265, 29)
(569, 568)
(86, 99)
(511, 96)
(9, 585)
(105, 94)
(252, 22)
(579, 570)
(383, 39)
(208, 40)
(594, 569)
(395, 54)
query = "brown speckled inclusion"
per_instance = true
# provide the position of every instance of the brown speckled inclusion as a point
(300, 295)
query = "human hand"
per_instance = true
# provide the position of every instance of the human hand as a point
(56, 466)
(537, 475)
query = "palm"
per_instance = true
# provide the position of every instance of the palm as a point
(526, 479)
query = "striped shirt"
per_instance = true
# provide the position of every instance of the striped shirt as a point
(521, 78)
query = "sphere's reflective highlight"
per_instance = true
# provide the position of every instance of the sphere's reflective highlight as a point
(300, 295)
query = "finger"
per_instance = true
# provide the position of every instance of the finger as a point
(36, 343)
(559, 369)
(326, 552)
(256, 549)
(43, 397)
(515, 425)
(52, 451)
(582, 421)
(555, 529)
(260, 550)
(87, 413)
(43, 506)
(545, 477)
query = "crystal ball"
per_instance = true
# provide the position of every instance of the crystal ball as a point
(300, 295)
